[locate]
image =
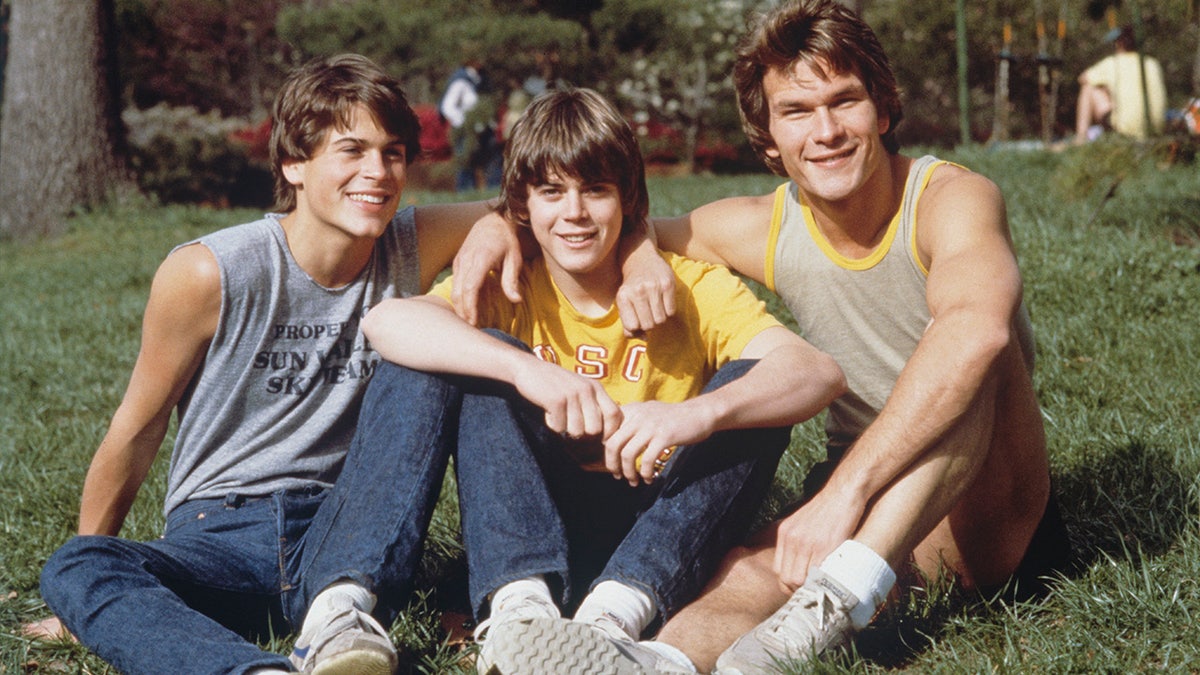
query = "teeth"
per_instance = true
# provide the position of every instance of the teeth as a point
(577, 238)
(370, 199)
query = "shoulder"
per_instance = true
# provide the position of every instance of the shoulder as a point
(959, 208)
(689, 268)
(706, 282)
(191, 266)
(248, 238)
(955, 185)
(186, 294)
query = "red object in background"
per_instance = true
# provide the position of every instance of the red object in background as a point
(435, 133)
(257, 140)
(435, 139)
(666, 140)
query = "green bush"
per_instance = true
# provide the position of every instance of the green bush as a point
(183, 156)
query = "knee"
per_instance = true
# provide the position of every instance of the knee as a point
(748, 567)
(506, 338)
(75, 564)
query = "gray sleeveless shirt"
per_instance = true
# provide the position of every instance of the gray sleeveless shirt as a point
(275, 402)
(868, 313)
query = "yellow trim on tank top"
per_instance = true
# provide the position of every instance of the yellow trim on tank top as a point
(852, 264)
(916, 255)
(773, 236)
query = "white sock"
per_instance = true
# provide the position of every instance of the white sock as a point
(670, 652)
(266, 671)
(626, 606)
(335, 598)
(535, 585)
(864, 573)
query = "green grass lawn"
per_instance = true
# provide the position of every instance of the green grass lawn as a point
(1114, 290)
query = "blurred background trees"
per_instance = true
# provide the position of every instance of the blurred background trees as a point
(61, 145)
(196, 76)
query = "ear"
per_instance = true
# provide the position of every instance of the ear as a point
(293, 171)
(885, 124)
(772, 152)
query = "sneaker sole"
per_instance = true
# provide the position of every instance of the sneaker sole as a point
(355, 663)
(553, 647)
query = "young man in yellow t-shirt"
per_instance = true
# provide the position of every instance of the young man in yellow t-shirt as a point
(589, 459)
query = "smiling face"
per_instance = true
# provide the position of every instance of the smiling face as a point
(577, 225)
(353, 181)
(825, 130)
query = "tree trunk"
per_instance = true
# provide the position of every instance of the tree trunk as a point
(61, 139)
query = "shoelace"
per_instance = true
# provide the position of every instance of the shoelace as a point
(530, 607)
(804, 600)
(345, 620)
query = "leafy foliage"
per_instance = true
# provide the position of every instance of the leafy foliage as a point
(182, 155)
(674, 61)
(208, 54)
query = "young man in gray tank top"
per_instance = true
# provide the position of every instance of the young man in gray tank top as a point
(276, 519)
(941, 423)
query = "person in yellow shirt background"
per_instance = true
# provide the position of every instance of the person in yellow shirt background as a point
(1123, 92)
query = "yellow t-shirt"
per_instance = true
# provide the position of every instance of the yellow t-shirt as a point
(1119, 73)
(716, 317)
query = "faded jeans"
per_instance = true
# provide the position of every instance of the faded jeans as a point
(527, 508)
(228, 569)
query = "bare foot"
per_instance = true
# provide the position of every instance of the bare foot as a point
(46, 629)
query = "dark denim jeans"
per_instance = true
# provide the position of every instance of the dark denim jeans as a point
(527, 508)
(228, 569)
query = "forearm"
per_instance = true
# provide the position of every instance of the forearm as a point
(789, 384)
(114, 477)
(416, 332)
(942, 380)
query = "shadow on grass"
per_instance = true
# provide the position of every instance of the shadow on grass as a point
(1131, 503)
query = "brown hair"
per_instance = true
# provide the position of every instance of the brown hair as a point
(576, 133)
(809, 32)
(322, 94)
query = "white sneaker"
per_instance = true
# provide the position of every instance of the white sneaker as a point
(814, 620)
(491, 633)
(554, 646)
(351, 642)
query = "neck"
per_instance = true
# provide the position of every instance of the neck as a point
(855, 225)
(591, 293)
(331, 257)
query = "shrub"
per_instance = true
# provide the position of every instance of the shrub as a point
(183, 156)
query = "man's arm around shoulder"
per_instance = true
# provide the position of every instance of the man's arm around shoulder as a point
(731, 232)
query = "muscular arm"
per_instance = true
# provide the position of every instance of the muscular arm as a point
(973, 290)
(791, 382)
(730, 232)
(415, 332)
(180, 319)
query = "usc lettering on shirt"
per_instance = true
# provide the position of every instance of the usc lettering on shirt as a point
(592, 361)
(716, 316)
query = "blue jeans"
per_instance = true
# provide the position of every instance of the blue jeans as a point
(230, 569)
(527, 508)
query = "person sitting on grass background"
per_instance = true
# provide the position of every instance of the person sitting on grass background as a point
(1123, 92)
(591, 462)
(904, 270)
